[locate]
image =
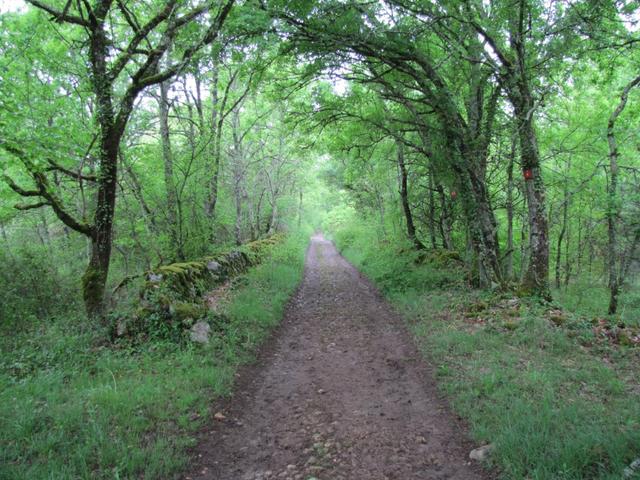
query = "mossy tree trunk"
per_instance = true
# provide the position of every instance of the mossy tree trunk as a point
(616, 273)
(404, 197)
(536, 278)
(131, 66)
(508, 269)
(432, 213)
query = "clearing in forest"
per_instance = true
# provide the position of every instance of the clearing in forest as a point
(341, 393)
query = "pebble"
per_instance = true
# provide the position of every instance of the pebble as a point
(481, 453)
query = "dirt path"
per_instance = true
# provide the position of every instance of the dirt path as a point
(341, 394)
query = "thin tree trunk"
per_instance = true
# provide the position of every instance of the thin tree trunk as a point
(273, 221)
(630, 255)
(136, 188)
(300, 210)
(238, 174)
(580, 247)
(3, 232)
(432, 214)
(198, 101)
(524, 251)
(404, 197)
(169, 181)
(45, 230)
(444, 224)
(238, 223)
(381, 214)
(509, 253)
(215, 144)
(258, 213)
(563, 230)
(567, 257)
(613, 206)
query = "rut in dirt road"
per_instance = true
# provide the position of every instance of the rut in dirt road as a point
(341, 394)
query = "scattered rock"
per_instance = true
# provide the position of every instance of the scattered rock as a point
(155, 277)
(558, 317)
(219, 416)
(480, 454)
(632, 469)
(213, 266)
(200, 332)
(121, 327)
(513, 302)
(629, 338)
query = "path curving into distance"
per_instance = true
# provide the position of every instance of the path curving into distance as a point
(340, 393)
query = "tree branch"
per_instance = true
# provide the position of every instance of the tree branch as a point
(19, 190)
(141, 34)
(60, 16)
(44, 191)
(77, 175)
(30, 206)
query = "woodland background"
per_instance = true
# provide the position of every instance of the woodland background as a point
(442, 145)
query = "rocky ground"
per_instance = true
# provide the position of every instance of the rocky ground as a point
(341, 393)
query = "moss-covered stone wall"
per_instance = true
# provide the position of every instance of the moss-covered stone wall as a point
(171, 297)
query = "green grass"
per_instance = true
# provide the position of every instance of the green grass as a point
(591, 299)
(553, 408)
(70, 409)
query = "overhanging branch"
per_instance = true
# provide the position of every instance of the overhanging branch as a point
(60, 16)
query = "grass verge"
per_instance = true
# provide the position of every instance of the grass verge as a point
(70, 409)
(556, 402)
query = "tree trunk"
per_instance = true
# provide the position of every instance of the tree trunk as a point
(169, 182)
(3, 232)
(483, 224)
(613, 204)
(524, 249)
(536, 279)
(567, 257)
(563, 231)
(94, 279)
(444, 223)
(215, 144)
(273, 220)
(106, 67)
(238, 173)
(300, 211)
(580, 247)
(432, 214)
(258, 213)
(468, 164)
(404, 197)
(509, 254)
(45, 230)
(238, 223)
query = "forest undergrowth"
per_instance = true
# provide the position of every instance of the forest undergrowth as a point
(73, 405)
(551, 386)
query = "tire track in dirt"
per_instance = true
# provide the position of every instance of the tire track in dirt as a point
(341, 393)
